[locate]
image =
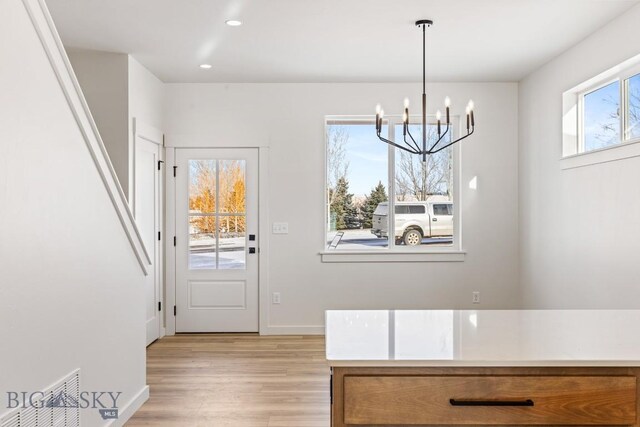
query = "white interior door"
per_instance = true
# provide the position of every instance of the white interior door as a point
(147, 208)
(216, 240)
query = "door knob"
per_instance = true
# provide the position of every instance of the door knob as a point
(252, 250)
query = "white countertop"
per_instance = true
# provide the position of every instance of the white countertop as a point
(483, 337)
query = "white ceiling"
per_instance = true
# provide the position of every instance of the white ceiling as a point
(333, 40)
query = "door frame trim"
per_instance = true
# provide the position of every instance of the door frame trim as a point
(155, 136)
(263, 227)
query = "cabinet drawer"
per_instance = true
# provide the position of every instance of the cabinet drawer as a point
(498, 400)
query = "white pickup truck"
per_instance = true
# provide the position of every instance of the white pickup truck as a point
(414, 221)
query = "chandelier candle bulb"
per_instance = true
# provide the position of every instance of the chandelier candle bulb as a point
(447, 104)
(471, 105)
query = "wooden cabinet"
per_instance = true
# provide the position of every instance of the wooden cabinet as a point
(424, 396)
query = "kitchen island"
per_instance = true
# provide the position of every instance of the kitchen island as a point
(485, 367)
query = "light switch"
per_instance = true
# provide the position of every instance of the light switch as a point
(280, 228)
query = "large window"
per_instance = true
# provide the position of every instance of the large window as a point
(365, 177)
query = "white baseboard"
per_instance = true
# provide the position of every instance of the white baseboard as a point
(283, 330)
(292, 330)
(130, 408)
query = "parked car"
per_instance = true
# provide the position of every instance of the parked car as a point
(414, 221)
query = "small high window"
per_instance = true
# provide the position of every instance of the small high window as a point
(603, 112)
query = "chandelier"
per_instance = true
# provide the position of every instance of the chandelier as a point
(411, 145)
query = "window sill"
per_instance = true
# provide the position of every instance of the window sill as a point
(392, 256)
(622, 151)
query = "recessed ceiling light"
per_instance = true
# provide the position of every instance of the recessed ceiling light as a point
(233, 23)
(205, 66)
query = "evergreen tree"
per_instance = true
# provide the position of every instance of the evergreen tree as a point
(342, 207)
(377, 196)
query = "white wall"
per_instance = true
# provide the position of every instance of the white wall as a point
(289, 119)
(70, 285)
(580, 234)
(146, 95)
(103, 78)
(118, 89)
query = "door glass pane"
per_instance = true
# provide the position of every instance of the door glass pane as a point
(601, 119)
(202, 186)
(232, 186)
(633, 107)
(416, 181)
(232, 244)
(202, 242)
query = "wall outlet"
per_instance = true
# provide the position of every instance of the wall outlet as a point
(476, 297)
(280, 228)
(275, 298)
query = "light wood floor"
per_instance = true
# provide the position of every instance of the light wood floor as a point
(236, 380)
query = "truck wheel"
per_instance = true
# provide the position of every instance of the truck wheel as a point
(412, 238)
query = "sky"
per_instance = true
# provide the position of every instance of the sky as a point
(367, 157)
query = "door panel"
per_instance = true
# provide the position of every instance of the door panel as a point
(216, 210)
(147, 205)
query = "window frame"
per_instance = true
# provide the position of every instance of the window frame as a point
(393, 252)
(621, 75)
(625, 76)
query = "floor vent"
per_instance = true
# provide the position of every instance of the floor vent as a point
(58, 408)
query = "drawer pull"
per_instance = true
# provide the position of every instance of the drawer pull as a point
(455, 402)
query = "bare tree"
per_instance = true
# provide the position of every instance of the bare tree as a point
(415, 179)
(610, 128)
(337, 164)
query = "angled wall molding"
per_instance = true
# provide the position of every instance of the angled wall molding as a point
(48, 35)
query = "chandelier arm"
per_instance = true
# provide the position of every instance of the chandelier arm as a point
(415, 144)
(410, 150)
(453, 142)
(439, 139)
